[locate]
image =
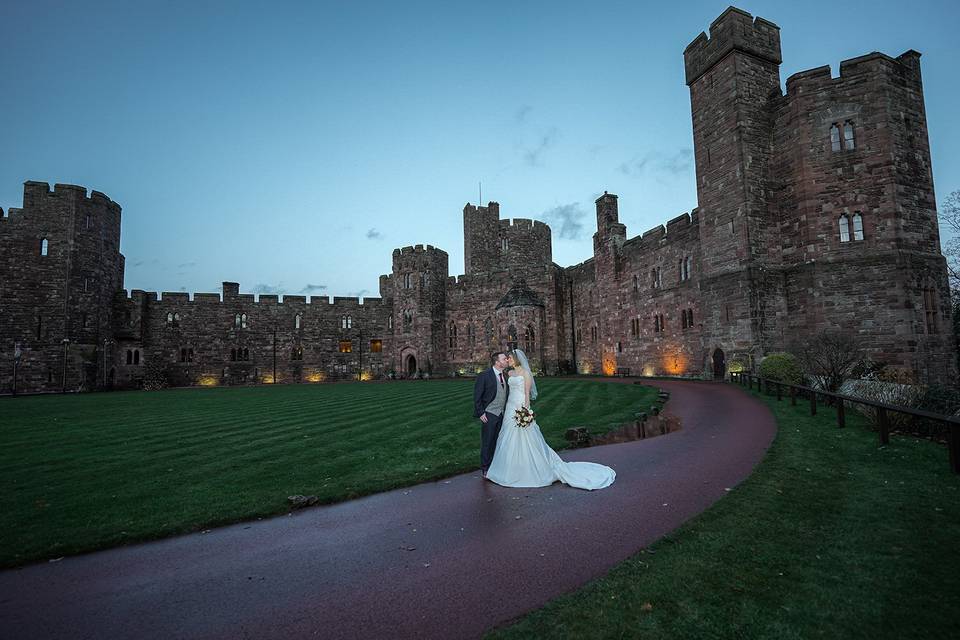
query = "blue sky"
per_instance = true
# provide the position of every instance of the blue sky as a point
(292, 146)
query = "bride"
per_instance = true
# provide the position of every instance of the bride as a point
(522, 457)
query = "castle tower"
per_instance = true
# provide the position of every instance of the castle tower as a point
(607, 252)
(734, 81)
(64, 248)
(481, 242)
(419, 309)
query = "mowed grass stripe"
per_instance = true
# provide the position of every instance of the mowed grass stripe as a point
(92, 471)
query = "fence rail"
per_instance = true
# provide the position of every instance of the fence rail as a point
(883, 410)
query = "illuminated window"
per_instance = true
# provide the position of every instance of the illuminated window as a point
(529, 339)
(376, 346)
(346, 346)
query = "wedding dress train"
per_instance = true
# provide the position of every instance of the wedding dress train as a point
(523, 458)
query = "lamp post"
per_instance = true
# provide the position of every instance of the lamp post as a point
(360, 353)
(16, 362)
(63, 379)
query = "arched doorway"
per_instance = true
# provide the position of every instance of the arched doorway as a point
(719, 364)
(411, 366)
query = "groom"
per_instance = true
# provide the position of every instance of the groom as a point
(489, 398)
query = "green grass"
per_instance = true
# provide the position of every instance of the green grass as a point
(832, 536)
(83, 472)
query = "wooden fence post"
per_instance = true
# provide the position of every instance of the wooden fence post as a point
(884, 424)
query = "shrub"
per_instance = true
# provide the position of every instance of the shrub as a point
(889, 385)
(782, 367)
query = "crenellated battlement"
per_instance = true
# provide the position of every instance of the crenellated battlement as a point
(525, 224)
(733, 30)
(181, 298)
(34, 191)
(418, 249)
(853, 70)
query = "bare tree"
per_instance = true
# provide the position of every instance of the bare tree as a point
(950, 223)
(829, 357)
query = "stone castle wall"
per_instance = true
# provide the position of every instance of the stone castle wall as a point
(759, 263)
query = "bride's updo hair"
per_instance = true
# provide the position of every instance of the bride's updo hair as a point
(516, 360)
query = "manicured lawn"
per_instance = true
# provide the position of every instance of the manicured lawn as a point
(831, 537)
(83, 472)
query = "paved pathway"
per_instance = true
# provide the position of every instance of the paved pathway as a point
(452, 558)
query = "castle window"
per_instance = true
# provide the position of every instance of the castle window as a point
(236, 321)
(296, 321)
(488, 330)
(655, 278)
(129, 356)
(529, 339)
(190, 354)
(233, 355)
(87, 223)
(729, 312)
(857, 226)
(243, 321)
(452, 336)
(619, 347)
(636, 283)
(579, 336)
(844, 228)
(634, 327)
(390, 321)
(930, 309)
(593, 333)
(136, 356)
(346, 322)
(504, 244)
(44, 246)
(407, 320)
(346, 346)
(848, 142)
(835, 137)
(183, 354)
(424, 280)
(246, 355)
(471, 338)
(84, 320)
(86, 284)
(658, 325)
(511, 337)
(690, 318)
(376, 346)
(297, 353)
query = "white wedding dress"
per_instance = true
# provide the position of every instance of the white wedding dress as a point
(523, 458)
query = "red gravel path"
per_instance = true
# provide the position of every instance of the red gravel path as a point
(447, 559)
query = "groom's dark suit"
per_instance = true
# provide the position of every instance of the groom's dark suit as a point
(485, 392)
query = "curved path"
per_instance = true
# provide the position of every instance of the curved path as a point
(452, 558)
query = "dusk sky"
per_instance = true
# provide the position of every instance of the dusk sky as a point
(292, 146)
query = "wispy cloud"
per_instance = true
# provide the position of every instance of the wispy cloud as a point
(138, 263)
(522, 114)
(657, 162)
(373, 234)
(269, 288)
(569, 218)
(534, 156)
(310, 288)
(186, 264)
(359, 294)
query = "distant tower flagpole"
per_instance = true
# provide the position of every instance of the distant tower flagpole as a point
(480, 186)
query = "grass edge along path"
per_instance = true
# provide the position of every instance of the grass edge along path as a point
(832, 536)
(93, 471)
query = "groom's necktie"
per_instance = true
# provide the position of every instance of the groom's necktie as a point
(500, 375)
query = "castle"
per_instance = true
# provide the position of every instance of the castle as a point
(816, 210)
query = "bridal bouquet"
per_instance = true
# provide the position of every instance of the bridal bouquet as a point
(523, 417)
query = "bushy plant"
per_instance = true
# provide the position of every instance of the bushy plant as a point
(782, 367)
(889, 385)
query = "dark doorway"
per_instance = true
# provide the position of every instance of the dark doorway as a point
(719, 365)
(411, 366)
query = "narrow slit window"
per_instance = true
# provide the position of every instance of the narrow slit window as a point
(835, 137)
(44, 247)
(848, 142)
(857, 226)
(844, 228)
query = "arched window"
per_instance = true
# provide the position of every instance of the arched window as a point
(835, 137)
(233, 355)
(129, 356)
(44, 246)
(407, 320)
(511, 337)
(488, 330)
(504, 244)
(471, 339)
(236, 321)
(689, 265)
(844, 228)
(136, 356)
(848, 142)
(190, 355)
(529, 339)
(636, 283)
(297, 353)
(857, 226)
(243, 321)
(246, 355)
(296, 321)
(169, 318)
(390, 321)
(349, 322)
(406, 281)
